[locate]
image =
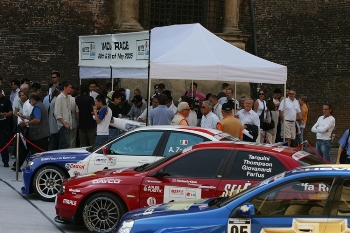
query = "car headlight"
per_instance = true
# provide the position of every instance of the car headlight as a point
(30, 163)
(62, 189)
(126, 226)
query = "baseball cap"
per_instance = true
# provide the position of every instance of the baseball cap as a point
(136, 99)
(226, 107)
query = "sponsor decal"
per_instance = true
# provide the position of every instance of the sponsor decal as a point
(150, 210)
(57, 158)
(153, 181)
(106, 181)
(76, 173)
(69, 202)
(75, 166)
(175, 193)
(183, 142)
(74, 190)
(202, 207)
(100, 161)
(232, 189)
(151, 201)
(152, 189)
(184, 181)
(111, 161)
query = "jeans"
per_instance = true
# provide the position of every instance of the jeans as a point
(113, 133)
(100, 139)
(64, 137)
(55, 141)
(323, 148)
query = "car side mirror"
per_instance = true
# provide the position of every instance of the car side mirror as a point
(246, 210)
(104, 150)
(159, 174)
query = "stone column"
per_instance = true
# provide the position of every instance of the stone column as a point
(127, 15)
(231, 16)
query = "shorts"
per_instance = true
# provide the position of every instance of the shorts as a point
(290, 131)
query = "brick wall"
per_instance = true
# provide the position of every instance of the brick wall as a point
(39, 36)
(311, 38)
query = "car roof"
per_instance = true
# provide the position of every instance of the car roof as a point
(211, 132)
(322, 169)
(263, 147)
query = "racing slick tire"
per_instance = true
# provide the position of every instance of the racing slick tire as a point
(47, 182)
(102, 212)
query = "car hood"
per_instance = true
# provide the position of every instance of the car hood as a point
(108, 176)
(63, 154)
(170, 208)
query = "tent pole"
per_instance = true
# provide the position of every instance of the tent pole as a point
(149, 81)
(111, 77)
(284, 110)
(235, 99)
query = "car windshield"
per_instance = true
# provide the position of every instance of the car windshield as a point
(94, 148)
(157, 163)
(306, 159)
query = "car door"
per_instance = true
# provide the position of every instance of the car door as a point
(246, 168)
(300, 205)
(193, 176)
(133, 149)
(178, 140)
(339, 219)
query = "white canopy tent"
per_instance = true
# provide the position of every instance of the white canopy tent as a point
(190, 51)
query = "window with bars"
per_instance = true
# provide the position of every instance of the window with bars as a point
(156, 13)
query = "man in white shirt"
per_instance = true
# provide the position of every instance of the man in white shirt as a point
(216, 106)
(209, 119)
(289, 112)
(93, 89)
(229, 98)
(323, 129)
(249, 119)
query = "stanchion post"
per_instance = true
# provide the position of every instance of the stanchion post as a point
(17, 156)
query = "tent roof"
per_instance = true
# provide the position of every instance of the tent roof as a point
(189, 51)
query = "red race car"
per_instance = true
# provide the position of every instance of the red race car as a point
(208, 169)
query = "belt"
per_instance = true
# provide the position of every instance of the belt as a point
(290, 121)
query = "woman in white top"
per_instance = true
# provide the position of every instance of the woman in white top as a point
(271, 114)
(260, 108)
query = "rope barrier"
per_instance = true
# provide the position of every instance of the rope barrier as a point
(7, 144)
(317, 154)
(265, 138)
(32, 144)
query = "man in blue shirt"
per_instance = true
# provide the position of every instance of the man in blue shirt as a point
(161, 115)
(344, 145)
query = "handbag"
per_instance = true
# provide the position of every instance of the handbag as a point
(267, 126)
(343, 154)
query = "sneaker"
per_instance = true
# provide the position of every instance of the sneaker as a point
(6, 164)
(13, 156)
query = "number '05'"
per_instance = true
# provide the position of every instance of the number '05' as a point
(239, 229)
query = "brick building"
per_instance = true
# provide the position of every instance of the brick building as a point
(310, 37)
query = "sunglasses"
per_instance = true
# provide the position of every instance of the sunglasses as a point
(53, 77)
(261, 94)
(291, 93)
(187, 109)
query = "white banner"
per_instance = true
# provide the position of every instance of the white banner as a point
(95, 51)
(130, 50)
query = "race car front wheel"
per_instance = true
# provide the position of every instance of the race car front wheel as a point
(47, 182)
(102, 212)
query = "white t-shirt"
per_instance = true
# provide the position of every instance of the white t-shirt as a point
(27, 110)
(192, 118)
(292, 108)
(324, 127)
(217, 111)
(261, 108)
(103, 127)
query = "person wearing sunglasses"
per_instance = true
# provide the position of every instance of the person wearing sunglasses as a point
(260, 108)
(183, 112)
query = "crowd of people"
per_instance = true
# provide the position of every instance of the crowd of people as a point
(68, 116)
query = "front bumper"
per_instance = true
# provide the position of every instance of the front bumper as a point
(27, 174)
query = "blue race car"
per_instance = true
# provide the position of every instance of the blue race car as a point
(306, 199)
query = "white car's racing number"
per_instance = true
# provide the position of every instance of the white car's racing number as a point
(236, 225)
